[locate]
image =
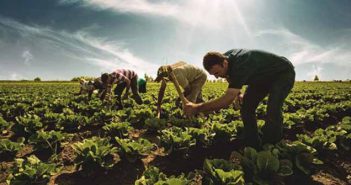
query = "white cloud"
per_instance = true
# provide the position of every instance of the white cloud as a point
(302, 51)
(27, 56)
(316, 70)
(215, 14)
(130, 6)
(79, 46)
(16, 76)
(109, 66)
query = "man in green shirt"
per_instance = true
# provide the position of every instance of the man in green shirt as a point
(266, 74)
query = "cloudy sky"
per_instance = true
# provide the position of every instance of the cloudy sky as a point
(61, 39)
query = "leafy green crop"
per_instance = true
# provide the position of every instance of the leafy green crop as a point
(4, 125)
(223, 172)
(72, 123)
(155, 124)
(43, 112)
(27, 125)
(95, 153)
(47, 140)
(301, 155)
(203, 136)
(175, 139)
(119, 129)
(331, 138)
(225, 132)
(262, 166)
(134, 150)
(9, 148)
(153, 176)
(31, 171)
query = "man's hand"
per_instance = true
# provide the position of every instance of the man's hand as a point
(159, 111)
(190, 109)
(240, 98)
(238, 101)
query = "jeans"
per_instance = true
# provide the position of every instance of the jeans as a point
(142, 88)
(277, 90)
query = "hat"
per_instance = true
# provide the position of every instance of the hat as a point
(162, 72)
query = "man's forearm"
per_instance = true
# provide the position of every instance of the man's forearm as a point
(160, 97)
(217, 104)
(103, 95)
(161, 93)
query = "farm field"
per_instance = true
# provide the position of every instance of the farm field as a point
(50, 136)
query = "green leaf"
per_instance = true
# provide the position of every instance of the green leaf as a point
(267, 163)
(250, 153)
(285, 167)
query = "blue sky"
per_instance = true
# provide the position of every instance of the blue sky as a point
(62, 39)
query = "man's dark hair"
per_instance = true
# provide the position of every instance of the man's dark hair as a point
(104, 77)
(98, 84)
(212, 58)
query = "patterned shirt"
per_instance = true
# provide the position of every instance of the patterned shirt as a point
(120, 75)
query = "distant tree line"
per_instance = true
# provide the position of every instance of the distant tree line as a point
(76, 79)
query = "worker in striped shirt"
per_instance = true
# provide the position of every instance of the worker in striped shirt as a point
(125, 79)
(189, 77)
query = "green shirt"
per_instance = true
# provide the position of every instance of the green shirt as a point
(248, 67)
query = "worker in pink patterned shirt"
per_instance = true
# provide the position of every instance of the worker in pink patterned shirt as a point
(125, 79)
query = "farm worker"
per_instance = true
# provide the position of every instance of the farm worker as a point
(189, 77)
(125, 79)
(142, 85)
(266, 74)
(90, 86)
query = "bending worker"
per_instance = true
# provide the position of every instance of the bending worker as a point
(125, 79)
(266, 74)
(189, 77)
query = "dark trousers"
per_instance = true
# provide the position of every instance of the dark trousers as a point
(277, 90)
(142, 88)
(133, 86)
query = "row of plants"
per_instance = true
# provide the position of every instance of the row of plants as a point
(48, 118)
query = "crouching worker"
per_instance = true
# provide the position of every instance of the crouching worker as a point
(125, 79)
(189, 77)
(88, 87)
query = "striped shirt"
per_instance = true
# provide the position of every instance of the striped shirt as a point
(120, 75)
